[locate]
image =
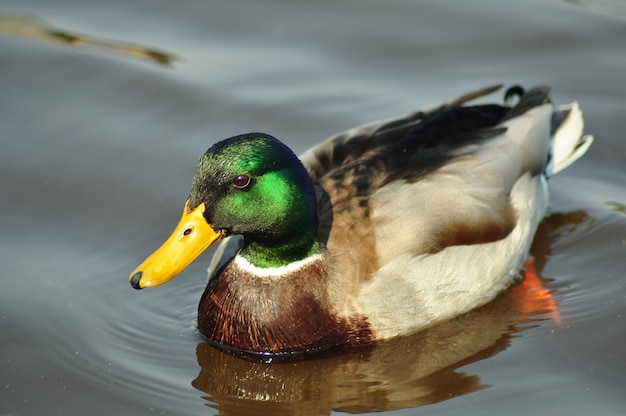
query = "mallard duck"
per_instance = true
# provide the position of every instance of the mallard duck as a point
(379, 231)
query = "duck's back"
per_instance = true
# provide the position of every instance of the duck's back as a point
(432, 214)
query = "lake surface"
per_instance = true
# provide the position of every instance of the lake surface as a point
(98, 145)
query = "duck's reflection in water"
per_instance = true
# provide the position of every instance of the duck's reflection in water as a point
(411, 371)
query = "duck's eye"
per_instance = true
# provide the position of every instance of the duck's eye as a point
(242, 181)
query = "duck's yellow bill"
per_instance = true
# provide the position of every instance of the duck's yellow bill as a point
(190, 238)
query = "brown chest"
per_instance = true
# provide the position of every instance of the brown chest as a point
(283, 315)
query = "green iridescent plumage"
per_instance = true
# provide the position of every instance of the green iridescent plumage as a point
(275, 211)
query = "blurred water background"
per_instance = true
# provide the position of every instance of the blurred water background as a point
(105, 108)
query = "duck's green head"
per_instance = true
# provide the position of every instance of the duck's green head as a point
(251, 185)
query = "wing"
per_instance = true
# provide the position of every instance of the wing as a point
(428, 180)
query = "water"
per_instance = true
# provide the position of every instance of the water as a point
(97, 151)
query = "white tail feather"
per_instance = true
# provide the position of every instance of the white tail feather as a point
(568, 143)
